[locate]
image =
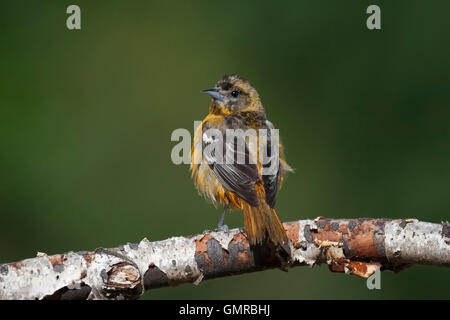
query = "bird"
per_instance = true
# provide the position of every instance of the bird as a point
(235, 104)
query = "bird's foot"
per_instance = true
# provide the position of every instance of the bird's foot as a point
(223, 227)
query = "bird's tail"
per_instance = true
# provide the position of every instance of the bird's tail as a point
(262, 223)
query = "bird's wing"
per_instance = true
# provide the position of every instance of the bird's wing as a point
(270, 160)
(236, 177)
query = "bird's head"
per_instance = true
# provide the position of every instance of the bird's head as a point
(232, 94)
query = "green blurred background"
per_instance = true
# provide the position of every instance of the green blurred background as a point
(86, 118)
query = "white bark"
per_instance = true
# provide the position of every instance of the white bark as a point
(354, 246)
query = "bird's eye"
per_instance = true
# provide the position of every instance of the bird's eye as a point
(235, 93)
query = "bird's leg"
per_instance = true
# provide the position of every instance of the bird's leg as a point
(222, 226)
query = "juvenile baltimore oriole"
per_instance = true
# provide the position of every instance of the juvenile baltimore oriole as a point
(235, 104)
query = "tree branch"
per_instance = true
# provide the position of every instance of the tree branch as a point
(353, 246)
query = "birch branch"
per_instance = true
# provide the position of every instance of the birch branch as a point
(353, 246)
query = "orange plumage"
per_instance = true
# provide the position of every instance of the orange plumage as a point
(235, 105)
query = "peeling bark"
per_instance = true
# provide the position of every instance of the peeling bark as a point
(353, 246)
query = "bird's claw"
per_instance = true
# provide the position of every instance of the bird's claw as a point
(223, 228)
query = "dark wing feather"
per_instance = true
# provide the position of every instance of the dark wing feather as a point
(238, 178)
(271, 181)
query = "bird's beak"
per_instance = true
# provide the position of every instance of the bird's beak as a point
(214, 93)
